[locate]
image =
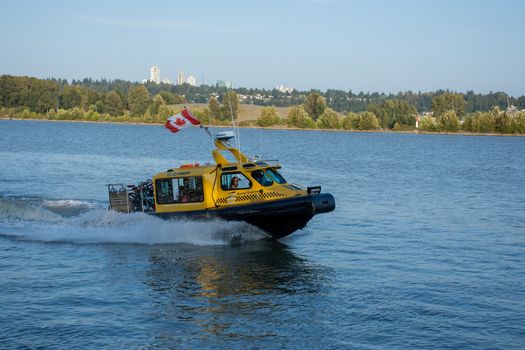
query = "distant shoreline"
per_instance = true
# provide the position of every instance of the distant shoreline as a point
(382, 131)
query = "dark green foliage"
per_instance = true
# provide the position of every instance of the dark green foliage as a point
(70, 97)
(329, 120)
(58, 99)
(230, 105)
(172, 98)
(448, 102)
(138, 100)
(361, 121)
(449, 121)
(268, 117)
(298, 118)
(314, 105)
(390, 112)
(157, 103)
(114, 104)
(214, 108)
(37, 95)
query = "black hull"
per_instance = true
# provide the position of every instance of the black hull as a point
(277, 218)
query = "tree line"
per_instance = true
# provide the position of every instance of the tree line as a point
(28, 97)
(449, 114)
(339, 100)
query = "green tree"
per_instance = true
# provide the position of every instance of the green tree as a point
(449, 121)
(429, 123)
(163, 113)
(350, 121)
(70, 97)
(113, 103)
(294, 114)
(178, 99)
(368, 121)
(480, 122)
(393, 111)
(44, 96)
(306, 123)
(448, 102)
(519, 123)
(138, 100)
(88, 96)
(314, 105)
(158, 101)
(268, 117)
(361, 121)
(214, 108)
(297, 117)
(230, 105)
(503, 122)
(168, 97)
(100, 107)
(329, 120)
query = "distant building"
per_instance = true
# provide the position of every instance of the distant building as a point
(512, 109)
(284, 89)
(180, 78)
(191, 80)
(166, 81)
(154, 74)
(224, 84)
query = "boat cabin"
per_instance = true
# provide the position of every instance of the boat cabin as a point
(199, 187)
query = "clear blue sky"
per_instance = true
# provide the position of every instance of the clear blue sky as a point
(385, 46)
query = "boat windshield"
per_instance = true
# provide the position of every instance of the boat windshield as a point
(274, 174)
(262, 178)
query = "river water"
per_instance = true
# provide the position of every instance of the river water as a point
(425, 249)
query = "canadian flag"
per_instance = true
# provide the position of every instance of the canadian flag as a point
(181, 120)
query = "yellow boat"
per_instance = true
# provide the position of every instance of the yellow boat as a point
(243, 190)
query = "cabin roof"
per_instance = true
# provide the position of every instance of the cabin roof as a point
(188, 171)
(210, 168)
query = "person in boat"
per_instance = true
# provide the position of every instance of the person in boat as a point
(184, 191)
(234, 183)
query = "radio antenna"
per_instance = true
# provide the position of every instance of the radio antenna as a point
(235, 129)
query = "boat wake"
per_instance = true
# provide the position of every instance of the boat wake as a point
(82, 222)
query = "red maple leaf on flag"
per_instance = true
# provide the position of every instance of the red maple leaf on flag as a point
(180, 121)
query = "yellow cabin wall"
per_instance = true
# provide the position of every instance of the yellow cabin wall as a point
(217, 197)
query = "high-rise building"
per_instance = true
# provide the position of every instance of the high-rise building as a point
(191, 80)
(180, 78)
(154, 74)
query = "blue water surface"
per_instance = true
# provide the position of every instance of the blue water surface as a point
(425, 249)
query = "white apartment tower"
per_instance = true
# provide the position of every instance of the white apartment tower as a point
(180, 78)
(154, 74)
(191, 80)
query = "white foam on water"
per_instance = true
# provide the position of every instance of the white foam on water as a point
(19, 209)
(67, 207)
(31, 222)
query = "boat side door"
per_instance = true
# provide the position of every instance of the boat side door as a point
(236, 188)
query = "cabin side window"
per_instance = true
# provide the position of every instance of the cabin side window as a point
(234, 181)
(262, 178)
(179, 190)
(276, 176)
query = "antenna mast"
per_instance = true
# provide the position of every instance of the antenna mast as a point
(235, 129)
